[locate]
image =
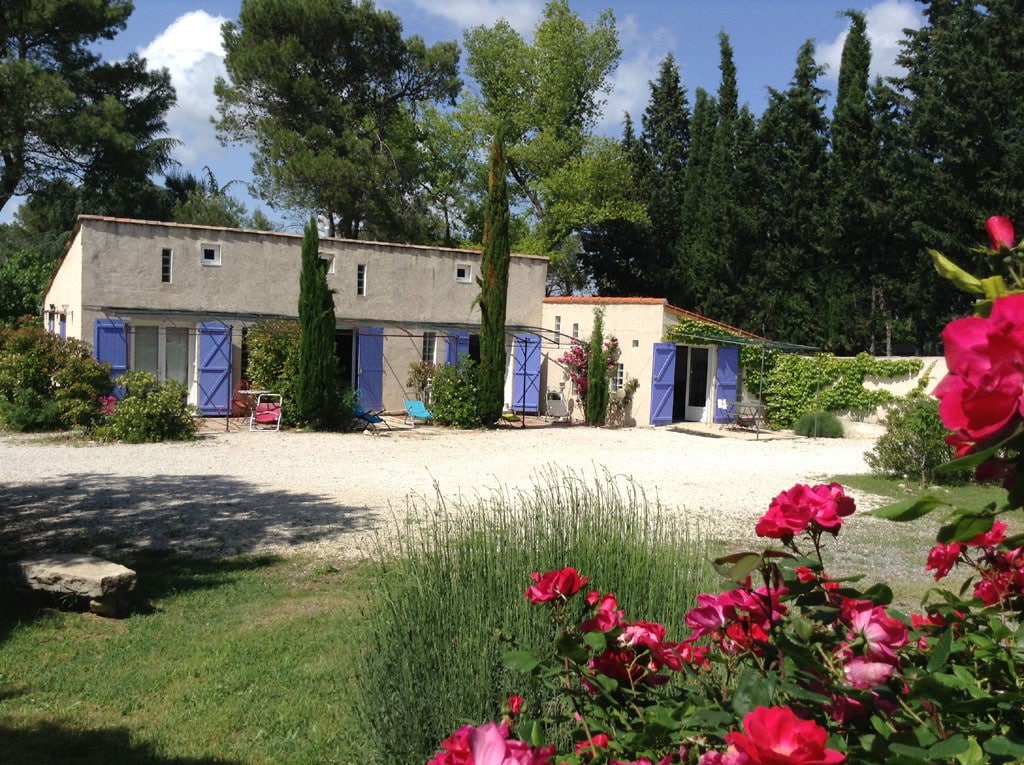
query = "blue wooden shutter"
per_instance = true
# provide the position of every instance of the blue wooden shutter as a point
(63, 327)
(526, 373)
(726, 376)
(214, 368)
(110, 345)
(457, 347)
(370, 377)
(663, 383)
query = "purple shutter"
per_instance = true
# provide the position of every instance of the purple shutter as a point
(63, 327)
(663, 383)
(370, 377)
(457, 347)
(110, 344)
(526, 373)
(726, 377)
(214, 368)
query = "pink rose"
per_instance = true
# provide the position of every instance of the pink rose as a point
(1000, 232)
(990, 538)
(554, 585)
(942, 558)
(882, 634)
(490, 745)
(788, 514)
(862, 672)
(600, 741)
(515, 704)
(729, 757)
(984, 390)
(607, 617)
(776, 736)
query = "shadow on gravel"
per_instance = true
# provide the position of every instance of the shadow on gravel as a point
(203, 516)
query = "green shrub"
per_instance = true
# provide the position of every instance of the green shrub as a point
(818, 425)
(914, 442)
(47, 383)
(451, 598)
(453, 398)
(150, 411)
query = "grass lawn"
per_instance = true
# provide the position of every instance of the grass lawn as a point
(250, 660)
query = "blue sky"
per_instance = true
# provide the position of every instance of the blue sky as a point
(184, 36)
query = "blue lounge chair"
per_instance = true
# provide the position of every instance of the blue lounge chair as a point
(416, 411)
(364, 419)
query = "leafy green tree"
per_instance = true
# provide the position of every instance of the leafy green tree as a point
(545, 99)
(316, 387)
(326, 92)
(64, 112)
(494, 267)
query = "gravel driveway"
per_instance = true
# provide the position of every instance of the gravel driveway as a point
(320, 494)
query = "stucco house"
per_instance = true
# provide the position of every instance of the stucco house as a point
(177, 300)
(677, 383)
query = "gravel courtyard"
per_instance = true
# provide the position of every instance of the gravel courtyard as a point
(324, 494)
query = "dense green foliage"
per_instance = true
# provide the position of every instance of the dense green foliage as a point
(454, 396)
(451, 585)
(47, 383)
(914, 443)
(818, 425)
(316, 384)
(274, 361)
(327, 92)
(494, 268)
(795, 384)
(150, 411)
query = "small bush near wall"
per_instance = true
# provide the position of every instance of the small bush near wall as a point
(453, 395)
(47, 383)
(274, 361)
(150, 411)
(914, 442)
(818, 425)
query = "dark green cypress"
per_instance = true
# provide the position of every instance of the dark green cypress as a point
(597, 374)
(494, 265)
(316, 386)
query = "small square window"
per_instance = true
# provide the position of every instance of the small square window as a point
(361, 279)
(463, 273)
(209, 254)
(166, 259)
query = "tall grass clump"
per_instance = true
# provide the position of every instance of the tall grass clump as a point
(818, 425)
(451, 582)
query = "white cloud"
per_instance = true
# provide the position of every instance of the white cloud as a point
(885, 22)
(190, 48)
(522, 15)
(642, 52)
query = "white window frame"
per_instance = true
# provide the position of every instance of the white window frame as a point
(575, 331)
(619, 378)
(428, 353)
(558, 330)
(161, 352)
(328, 258)
(361, 280)
(166, 265)
(204, 247)
(466, 275)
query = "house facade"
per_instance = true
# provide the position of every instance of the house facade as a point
(677, 382)
(177, 300)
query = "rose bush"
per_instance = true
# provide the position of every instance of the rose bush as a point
(789, 665)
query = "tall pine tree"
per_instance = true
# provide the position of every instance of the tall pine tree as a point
(316, 385)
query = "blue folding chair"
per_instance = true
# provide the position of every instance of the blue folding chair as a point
(366, 419)
(416, 411)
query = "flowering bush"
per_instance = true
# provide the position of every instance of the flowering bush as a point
(576, 361)
(790, 665)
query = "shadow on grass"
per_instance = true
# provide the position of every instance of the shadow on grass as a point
(51, 744)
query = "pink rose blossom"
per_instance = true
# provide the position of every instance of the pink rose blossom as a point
(607, 617)
(942, 558)
(515, 704)
(776, 736)
(882, 634)
(554, 585)
(490, 745)
(990, 538)
(862, 672)
(983, 392)
(729, 757)
(1000, 232)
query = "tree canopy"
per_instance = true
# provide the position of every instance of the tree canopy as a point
(326, 92)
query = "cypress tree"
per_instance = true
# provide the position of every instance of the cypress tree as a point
(494, 265)
(597, 374)
(316, 385)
